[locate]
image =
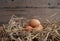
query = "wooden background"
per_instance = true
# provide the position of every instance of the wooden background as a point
(29, 8)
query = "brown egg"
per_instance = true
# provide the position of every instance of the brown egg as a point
(28, 28)
(38, 28)
(34, 22)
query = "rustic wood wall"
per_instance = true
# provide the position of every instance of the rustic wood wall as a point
(27, 8)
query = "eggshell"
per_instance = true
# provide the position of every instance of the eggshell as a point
(34, 22)
(38, 28)
(28, 28)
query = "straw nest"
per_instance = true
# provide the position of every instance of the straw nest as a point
(51, 32)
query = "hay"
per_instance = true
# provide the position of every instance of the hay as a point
(15, 32)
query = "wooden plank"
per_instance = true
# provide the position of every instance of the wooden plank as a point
(23, 3)
(43, 13)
